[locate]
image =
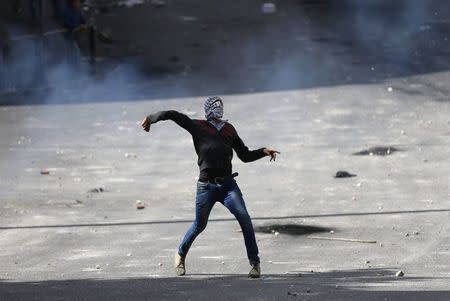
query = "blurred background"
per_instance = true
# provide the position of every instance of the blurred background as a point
(168, 48)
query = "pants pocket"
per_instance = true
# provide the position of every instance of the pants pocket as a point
(202, 186)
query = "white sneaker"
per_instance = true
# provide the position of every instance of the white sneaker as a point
(180, 269)
(255, 272)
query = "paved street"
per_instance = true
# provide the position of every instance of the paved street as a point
(71, 171)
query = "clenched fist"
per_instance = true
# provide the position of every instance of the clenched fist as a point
(146, 124)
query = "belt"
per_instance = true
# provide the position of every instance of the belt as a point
(221, 180)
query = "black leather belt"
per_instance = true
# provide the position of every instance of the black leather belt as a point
(221, 180)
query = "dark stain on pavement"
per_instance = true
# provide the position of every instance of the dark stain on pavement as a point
(378, 151)
(290, 229)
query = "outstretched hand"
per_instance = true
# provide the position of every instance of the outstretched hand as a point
(146, 124)
(272, 153)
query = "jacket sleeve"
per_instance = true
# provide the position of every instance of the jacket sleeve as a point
(244, 153)
(182, 120)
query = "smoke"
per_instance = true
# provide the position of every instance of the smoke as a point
(304, 44)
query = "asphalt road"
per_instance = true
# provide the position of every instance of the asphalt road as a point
(59, 240)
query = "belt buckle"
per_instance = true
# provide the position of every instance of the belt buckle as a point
(219, 180)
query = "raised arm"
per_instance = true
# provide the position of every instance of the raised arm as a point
(182, 120)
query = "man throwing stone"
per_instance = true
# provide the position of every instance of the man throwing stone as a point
(214, 142)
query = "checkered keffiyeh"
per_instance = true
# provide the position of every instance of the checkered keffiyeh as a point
(213, 108)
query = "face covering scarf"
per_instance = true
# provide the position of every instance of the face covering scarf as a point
(214, 112)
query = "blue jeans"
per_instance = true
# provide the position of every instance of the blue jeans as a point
(230, 196)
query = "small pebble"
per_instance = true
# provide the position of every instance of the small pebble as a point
(400, 274)
(140, 204)
(160, 264)
(97, 267)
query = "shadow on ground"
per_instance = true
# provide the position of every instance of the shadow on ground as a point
(336, 285)
(291, 229)
(294, 228)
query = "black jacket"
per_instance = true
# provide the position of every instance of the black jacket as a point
(213, 147)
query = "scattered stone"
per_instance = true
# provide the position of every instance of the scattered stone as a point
(400, 274)
(268, 8)
(353, 198)
(292, 294)
(160, 264)
(344, 174)
(223, 262)
(140, 204)
(367, 261)
(407, 234)
(129, 255)
(45, 172)
(332, 232)
(97, 267)
(130, 155)
(381, 245)
(188, 18)
(402, 132)
(97, 190)
(416, 233)
(390, 89)
(308, 290)
(277, 233)
(158, 3)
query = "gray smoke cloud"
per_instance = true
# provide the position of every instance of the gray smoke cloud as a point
(304, 44)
